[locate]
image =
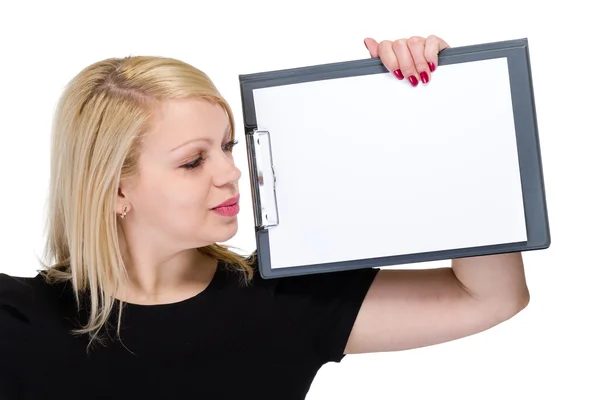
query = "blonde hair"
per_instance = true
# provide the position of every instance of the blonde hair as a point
(100, 119)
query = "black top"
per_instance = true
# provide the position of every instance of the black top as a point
(264, 341)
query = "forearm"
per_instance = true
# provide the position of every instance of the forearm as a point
(497, 278)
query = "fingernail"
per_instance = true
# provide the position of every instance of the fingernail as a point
(398, 74)
(424, 77)
(431, 66)
(413, 81)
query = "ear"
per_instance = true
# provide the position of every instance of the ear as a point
(122, 204)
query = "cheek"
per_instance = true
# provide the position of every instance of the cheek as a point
(181, 194)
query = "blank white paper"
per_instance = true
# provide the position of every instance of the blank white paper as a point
(370, 166)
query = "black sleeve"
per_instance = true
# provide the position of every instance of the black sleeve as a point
(15, 334)
(9, 387)
(325, 306)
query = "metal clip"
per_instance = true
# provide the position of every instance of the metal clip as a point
(267, 214)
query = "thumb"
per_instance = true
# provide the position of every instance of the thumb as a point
(372, 46)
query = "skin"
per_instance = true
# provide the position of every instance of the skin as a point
(169, 203)
(169, 215)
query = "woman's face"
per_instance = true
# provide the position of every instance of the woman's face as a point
(186, 170)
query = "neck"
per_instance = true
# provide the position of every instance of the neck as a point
(159, 276)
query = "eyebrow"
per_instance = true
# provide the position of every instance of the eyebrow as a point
(226, 132)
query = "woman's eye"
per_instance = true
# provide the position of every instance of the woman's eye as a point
(198, 161)
(229, 146)
(194, 164)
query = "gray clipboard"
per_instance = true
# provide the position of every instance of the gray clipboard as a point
(263, 144)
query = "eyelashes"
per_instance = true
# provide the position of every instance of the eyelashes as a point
(228, 147)
(194, 164)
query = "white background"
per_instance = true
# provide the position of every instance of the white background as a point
(550, 349)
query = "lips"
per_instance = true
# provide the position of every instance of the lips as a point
(228, 203)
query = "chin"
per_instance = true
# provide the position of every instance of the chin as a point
(223, 233)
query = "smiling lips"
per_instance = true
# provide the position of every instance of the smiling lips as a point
(228, 208)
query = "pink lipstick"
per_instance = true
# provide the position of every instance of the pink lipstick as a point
(228, 208)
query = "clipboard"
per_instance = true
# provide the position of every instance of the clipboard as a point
(351, 168)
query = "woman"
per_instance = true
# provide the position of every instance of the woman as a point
(138, 300)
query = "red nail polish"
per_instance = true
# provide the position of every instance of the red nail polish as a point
(431, 66)
(398, 74)
(413, 81)
(424, 77)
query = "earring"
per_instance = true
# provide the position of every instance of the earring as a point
(124, 212)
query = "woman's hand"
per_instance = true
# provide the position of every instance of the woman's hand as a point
(414, 58)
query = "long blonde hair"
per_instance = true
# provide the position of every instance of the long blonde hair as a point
(100, 119)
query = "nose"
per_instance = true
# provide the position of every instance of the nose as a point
(226, 171)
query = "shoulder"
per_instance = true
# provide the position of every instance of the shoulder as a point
(27, 303)
(27, 289)
(17, 293)
(316, 281)
(31, 318)
(319, 290)
(17, 313)
(311, 282)
(322, 306)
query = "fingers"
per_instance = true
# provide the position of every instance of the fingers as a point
(388, 56)
(372, 46)
(409, 58)
(414, 58)
(433, 45)
(405, 59)
(416, 45)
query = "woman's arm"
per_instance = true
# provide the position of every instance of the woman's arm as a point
(406, 309)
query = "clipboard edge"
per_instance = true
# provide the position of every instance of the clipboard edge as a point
(248, 82)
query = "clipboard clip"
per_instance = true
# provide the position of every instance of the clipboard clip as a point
(264, 179)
